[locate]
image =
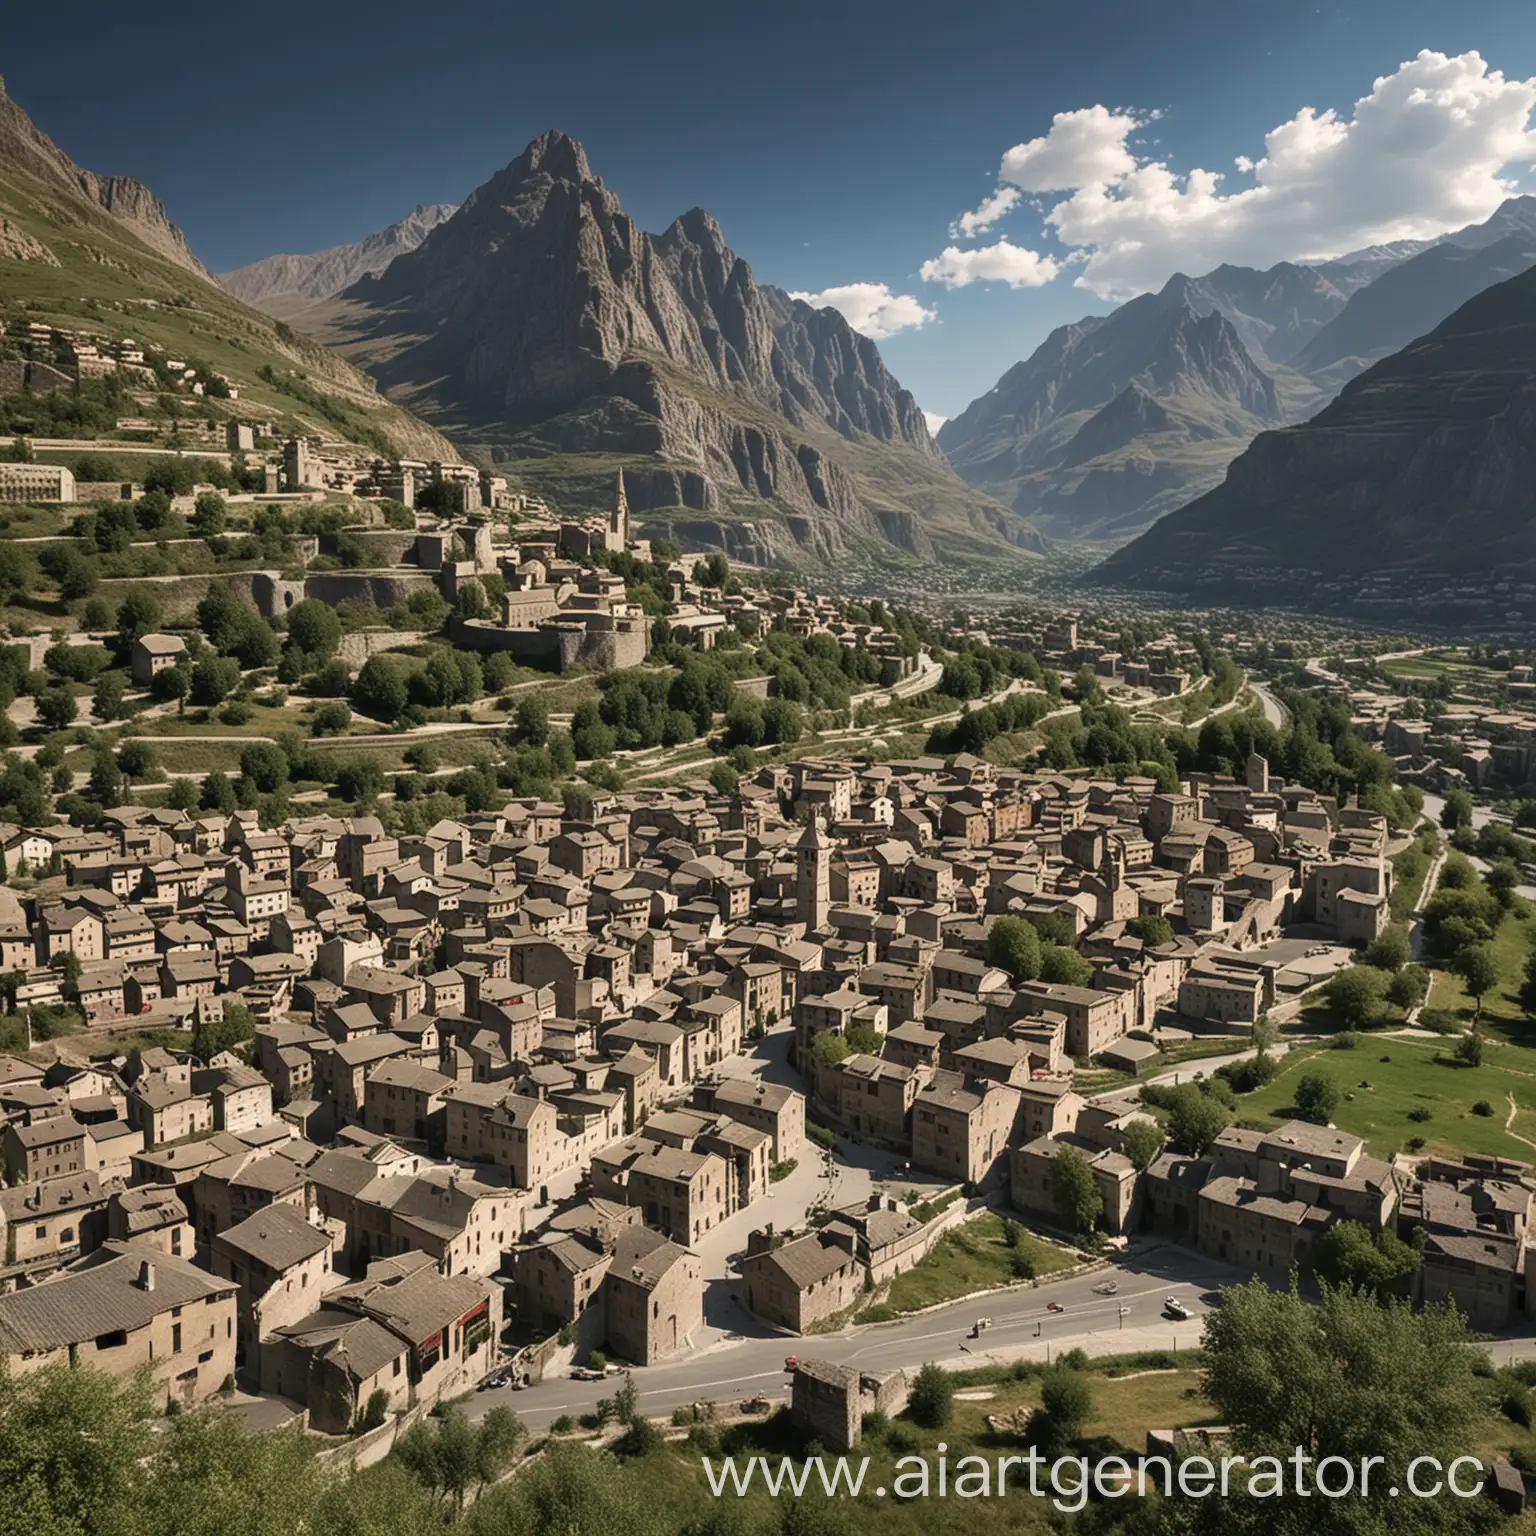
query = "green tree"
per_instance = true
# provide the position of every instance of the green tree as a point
(265, 765)
(333, 718)
(1390, 949)
(1152, 930)
(314, 628)
(723, 779)
(532, 723)
(56, 709)
(1356, 995)
(209, 516)
(1409, 987)
(107, 701)
(1195, 1120)
(1457, 811)
(379, 689)
(1066, 1405)
(233, 1027)
(213, 679)
(1014, 946)
(1372, 1258)
(1075, 1192)
(1316, 1097)
(1142, 1141)
(1478, 968)
(931, 1400)
(1064, 966)
(137, 615)
(1348, 1377)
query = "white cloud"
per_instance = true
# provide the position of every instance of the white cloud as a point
(871, 308)
(1426, 151)
(935, 421)
(1000, 263)
(1081, 149)
(1423, 153)
(991, 210)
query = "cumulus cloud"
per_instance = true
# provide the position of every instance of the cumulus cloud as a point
(871, 308)
(984, 217)
(1004, 262)
(1426, 151)
(1082, 149)
(935, 421)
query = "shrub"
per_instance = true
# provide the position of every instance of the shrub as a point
(931, 1402)
(1483, 1108)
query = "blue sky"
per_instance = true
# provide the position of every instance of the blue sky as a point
(836, 142)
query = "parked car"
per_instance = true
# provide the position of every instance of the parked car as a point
(1176, 1309)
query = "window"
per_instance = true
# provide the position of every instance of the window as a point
(115, 1339)
(175, 1338)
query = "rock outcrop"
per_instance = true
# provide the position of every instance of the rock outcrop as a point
(24, 146)
(1114, 419)
(324, 273)
(1420, 470)
(548, 328)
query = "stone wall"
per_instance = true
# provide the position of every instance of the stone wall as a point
(557, 647)
(384, 546)
(357, 647)
(381, 589)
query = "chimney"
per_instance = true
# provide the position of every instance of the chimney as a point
(146, 1280)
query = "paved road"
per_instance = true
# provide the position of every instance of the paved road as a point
(1274, 711)
(1022, 1328)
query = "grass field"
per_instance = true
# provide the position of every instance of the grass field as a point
(1416, 1074)
(1504, 1016)
(971, 1257)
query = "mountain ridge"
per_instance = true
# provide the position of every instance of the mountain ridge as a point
(123, 198)
(542, 326)
(96, 254)
(1420, 468)
(321, 274)
(1305, 329)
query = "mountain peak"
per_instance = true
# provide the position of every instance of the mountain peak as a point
(554, 154)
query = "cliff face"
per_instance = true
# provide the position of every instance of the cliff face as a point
(1112, 420)
(327, 272)
(1421, 469)
(547, 327)
(1409, 300)
(66, 233)
(24, 146)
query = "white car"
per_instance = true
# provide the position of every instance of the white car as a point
(1175, 1308)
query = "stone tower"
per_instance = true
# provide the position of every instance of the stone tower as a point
(813, 876)
(1205, 907)
(618, 519)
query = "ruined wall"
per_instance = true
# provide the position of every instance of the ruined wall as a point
(384, 547)
(357, 647)
(381, 589)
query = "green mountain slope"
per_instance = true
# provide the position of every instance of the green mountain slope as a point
(98, 254)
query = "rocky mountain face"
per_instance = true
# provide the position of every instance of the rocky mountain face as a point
(324, 273)
(1302, 331)
(545, 327)
(25, 147)
(1407, 300)
(1116, 419)
(66, 235)
(1417, 477)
